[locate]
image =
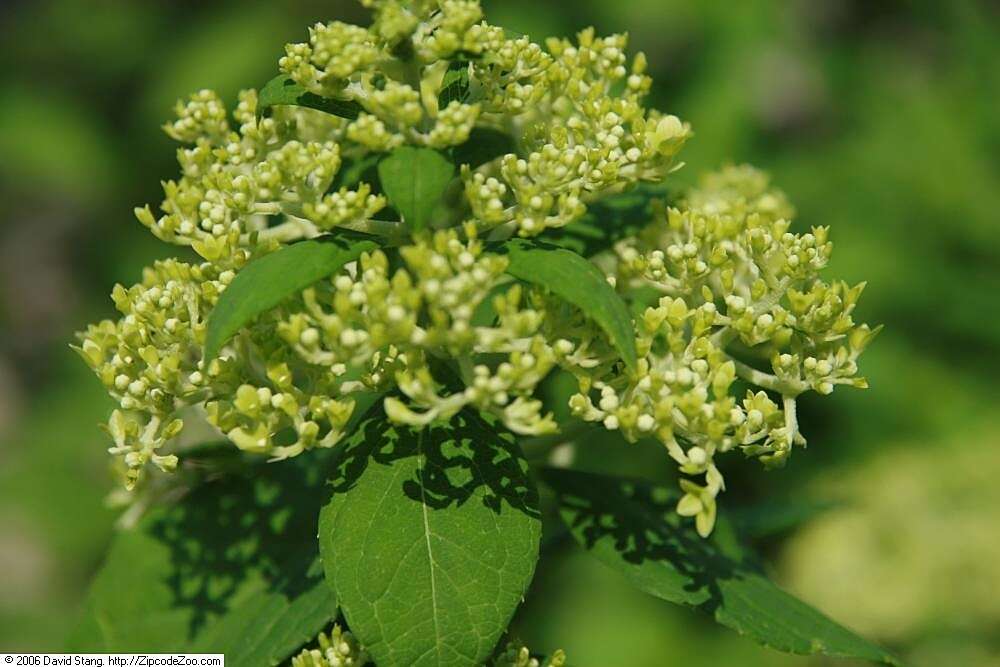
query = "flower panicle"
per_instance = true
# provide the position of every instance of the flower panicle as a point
(739, 324)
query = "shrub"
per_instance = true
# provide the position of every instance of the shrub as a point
(401, 238)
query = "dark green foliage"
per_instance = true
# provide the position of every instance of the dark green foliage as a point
(266, 282)
(430, 539)
(575, 279)
(632, 527)
(283, 90)
(414, 180)
(232, 567)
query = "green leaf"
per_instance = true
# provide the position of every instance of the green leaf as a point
(632, 527)
(609, 220)
(264, 627)
(414, 180)
(284, 90)
(231, 568)
(575, 279)
(483, 145)
(264, 283)
(455, 85)
(430, 539)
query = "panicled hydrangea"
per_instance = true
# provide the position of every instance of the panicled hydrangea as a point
(733, 321)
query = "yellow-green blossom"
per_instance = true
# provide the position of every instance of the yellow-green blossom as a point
(733, 319)
(741, 298)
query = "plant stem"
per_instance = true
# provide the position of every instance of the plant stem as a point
(768, 381)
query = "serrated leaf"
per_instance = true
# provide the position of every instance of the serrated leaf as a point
(284, 90)
(632, 527)
(430, 539)
(266, 282)
(455, 84)
(609, 220)
(414, 180)
(231, 568)
(575, 279)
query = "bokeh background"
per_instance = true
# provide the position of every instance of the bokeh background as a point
(880, 119)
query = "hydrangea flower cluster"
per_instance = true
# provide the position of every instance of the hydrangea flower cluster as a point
(733, 322)
(735, 291)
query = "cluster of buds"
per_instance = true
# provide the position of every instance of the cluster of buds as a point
(739, 298)
(575, 107)
(148, 360)
(518, 655)
(391, 326)
(234, 181)
(366, 66)
(732, 320)
(339, 648)
(585, 131)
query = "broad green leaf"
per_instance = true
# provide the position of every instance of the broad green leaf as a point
(231, 568)
(430, 539)
(264, 283)
(632, 527)
(609, 220)
(284, 90)
(414, 180)
(483, 145)
(455, 85)
(575, 279)
(264, 627)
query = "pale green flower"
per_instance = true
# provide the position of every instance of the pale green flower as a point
(733, 321)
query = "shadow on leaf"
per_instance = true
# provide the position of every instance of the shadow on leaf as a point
(632, 527)
(610, 220)
(638, 522)
(256, 529)
(460, 457)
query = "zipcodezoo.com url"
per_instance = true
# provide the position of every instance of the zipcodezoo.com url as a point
(113, 660)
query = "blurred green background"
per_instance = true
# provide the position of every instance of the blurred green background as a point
(879, 119)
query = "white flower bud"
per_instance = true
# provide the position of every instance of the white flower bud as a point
(309, 337)
(697, 456)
